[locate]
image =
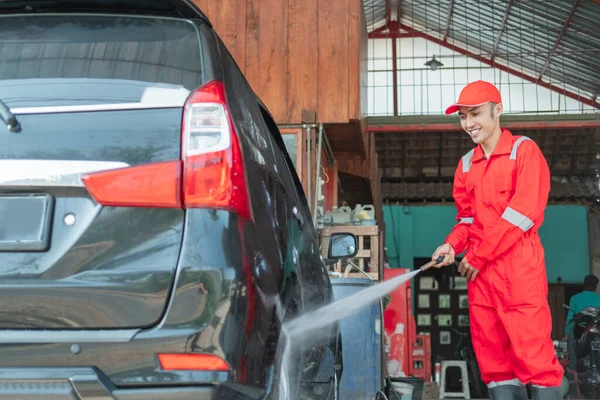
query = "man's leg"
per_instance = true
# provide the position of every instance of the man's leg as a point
(532, 350)
(525, 314)
(491, 344)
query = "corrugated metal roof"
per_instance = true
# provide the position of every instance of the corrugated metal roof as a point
(375, 13)
(532, 37)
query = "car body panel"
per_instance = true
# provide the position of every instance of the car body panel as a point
(159, 280)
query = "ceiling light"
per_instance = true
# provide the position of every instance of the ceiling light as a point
(434, 64)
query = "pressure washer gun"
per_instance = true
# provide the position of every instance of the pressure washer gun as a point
(433, 263)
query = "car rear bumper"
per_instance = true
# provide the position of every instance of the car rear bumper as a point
(90, 383)
(34, 391)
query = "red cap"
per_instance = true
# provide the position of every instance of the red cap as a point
(475, 94)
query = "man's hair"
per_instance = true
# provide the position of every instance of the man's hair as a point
(492, 105)
(590, 282)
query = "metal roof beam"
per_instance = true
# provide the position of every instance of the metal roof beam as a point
(504, 68)
(559, 38)
(448, 21)
(504, 20)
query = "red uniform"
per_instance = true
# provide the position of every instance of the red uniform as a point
(501, 202)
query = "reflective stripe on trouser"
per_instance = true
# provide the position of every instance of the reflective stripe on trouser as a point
(511, 324)
(512, 382)
(508, 392)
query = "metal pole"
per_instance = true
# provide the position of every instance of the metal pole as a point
(318, 173)
(395, 74)
(309, 186)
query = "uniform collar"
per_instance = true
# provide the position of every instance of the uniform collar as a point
(504, 146)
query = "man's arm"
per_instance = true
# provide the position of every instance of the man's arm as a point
(527, 205)
(459, 237)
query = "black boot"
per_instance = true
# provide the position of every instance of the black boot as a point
(508, 392)
(546, 393)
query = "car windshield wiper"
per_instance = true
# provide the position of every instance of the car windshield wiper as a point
(9, 119)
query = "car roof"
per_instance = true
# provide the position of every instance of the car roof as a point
(163, 8)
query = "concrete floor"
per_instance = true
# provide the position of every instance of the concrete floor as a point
(431, 391)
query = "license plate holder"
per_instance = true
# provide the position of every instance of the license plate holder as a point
(25, 222)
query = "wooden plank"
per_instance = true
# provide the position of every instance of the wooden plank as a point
(302, 84)
(335, 184)
(273, 53)
(375, 267)
(240, 36)
(207, 7)
(347, 137)
(333, 61)
(356, 230)
(325, 246)
(225, 18)
(364, 65)
(355, 11)
(352, 164)
(363, 253)
(253, 21)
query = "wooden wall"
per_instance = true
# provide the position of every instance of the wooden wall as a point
(298, 55)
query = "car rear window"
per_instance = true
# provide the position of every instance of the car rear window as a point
(49, 60)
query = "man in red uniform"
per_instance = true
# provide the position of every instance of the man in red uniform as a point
(501, 189)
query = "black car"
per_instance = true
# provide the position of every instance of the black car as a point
(154, 235)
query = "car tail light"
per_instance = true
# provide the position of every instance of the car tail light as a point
(192, 362)
(213, 172)
(210, 174)
(152, 185)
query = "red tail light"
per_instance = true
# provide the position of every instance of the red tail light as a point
(153, 185)
(213, 166)
(210, 175)
(192, 362)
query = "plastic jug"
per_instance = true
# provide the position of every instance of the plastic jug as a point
(366, 211)
(340, 216)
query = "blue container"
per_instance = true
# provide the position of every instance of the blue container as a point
(361, 344)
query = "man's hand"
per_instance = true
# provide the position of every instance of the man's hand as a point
(447, 251)
(464, 268)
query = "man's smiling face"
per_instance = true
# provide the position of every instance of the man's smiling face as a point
(480, 122)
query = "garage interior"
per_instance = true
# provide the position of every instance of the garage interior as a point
(358, 89)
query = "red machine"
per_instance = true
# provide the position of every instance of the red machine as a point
(421, 358)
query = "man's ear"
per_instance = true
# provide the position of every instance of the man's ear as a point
(499, 109)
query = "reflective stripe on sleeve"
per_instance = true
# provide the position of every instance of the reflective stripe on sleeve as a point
(517, 219)
(513, 153)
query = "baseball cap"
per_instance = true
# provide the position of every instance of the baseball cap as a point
(475, 94)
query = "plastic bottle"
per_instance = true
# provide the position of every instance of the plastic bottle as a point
(396, 354)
